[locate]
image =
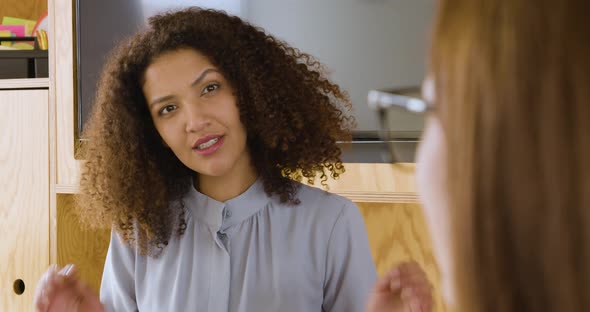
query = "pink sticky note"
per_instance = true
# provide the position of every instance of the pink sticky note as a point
(17, 30)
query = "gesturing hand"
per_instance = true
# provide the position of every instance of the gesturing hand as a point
(404, 289)
(63, 291)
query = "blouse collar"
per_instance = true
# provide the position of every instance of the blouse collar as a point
(223, 215)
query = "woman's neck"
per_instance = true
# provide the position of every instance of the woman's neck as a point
(226, 187)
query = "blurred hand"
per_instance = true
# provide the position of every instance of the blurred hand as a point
(404, 289)
(63, 291)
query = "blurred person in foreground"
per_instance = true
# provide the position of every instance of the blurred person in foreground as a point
(503, 168)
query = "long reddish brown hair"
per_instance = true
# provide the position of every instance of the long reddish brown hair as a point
(512, 79)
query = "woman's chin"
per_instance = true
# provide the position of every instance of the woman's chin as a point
(216, 170)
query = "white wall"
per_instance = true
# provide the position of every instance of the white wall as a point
(151, 7)
(366, 44)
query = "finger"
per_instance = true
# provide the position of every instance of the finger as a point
(413, 300)
(420, 290)
(411, 268)
(409, 281)
(413, 279)
(416, 283)
(55, 281)
(417, 298)
(52, 282)
(383, 283)
(408, 298)
(70, 273)
(423, 297)
(406, 273)
(416, 306)
(425, 303)
(395, 284)
(87, 297)
(83, 289)
(41, 300)
(84, 292)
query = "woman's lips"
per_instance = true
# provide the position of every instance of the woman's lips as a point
(208, 145)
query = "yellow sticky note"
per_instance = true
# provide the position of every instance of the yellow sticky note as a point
(23, 46)
(29, 24)
(6, 33)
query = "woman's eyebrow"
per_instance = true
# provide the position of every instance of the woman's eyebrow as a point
(203, 75)
(195, 82)
(161, 99)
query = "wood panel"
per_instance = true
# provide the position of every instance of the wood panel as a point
(373, 183)
(376, 178)
(24, 195)
(398, 232)
(27, 9)
(61, 61)
(24, 83)
(83, 247)
(376, 183)
(52, 140)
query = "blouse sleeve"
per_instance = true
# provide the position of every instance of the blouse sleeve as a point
(117, 290)
(350, 270)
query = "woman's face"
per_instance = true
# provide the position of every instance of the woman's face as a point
(194, 110)
(431, 178)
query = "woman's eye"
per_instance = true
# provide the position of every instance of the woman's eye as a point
(210, 88)
(167, 109)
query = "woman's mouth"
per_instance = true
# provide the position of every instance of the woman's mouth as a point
(209, 145)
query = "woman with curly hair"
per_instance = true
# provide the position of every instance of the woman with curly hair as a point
(201, 128)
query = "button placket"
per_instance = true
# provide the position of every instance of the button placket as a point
(223, 239)
(226, 214)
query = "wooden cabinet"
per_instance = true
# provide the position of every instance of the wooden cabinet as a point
(24, 194)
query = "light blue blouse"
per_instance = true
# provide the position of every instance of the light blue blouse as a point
(250, 254)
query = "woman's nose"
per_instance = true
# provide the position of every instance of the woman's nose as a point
(196, 119)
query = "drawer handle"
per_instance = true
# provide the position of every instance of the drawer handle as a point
(19, 286)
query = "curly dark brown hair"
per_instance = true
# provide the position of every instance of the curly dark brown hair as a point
(292, 113)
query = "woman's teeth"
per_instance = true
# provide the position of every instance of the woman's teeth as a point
(208, 143)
